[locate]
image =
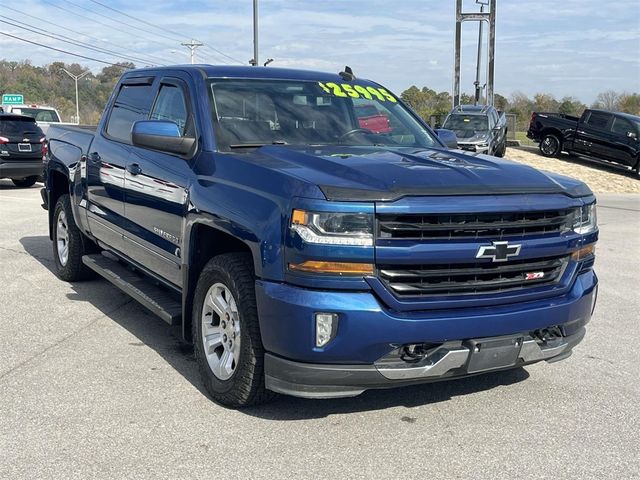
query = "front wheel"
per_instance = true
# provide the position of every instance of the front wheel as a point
(226, 333)
(502, 149)
(550, 145)
(25, 182)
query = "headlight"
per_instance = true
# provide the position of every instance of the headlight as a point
(585, 219)
(333, 228)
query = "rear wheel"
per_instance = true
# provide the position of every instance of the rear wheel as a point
(226, 333)
(69, 244)
(550, 146)
(25, 182)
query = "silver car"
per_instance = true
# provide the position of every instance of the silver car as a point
(479, 128)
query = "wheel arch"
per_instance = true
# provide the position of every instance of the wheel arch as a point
(57, 185)
(203, 243)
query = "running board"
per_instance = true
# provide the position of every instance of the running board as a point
(152, 297)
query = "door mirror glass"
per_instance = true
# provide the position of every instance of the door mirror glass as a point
(161, 135)
(448, 137)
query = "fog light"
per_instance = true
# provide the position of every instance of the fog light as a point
(326, 327)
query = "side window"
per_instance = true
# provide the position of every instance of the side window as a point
(621, 127)
(170, 105)
(132, 104)
(598, 120)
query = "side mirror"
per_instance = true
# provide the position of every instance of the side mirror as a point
(448, 137)
(632, 135)
(161, 135)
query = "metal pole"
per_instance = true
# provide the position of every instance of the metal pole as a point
(76, 78)
(479, 59)
(456, 56)
(492, 51)
(255, 33)
(192, 45)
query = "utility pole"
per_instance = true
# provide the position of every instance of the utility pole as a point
(192, 45)
(479, 58)
(255, 60)
(76, 78)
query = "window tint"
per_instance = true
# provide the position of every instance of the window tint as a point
(132, 104)
(621, 126)
(170, 105)
(598, 120)
(19, 126)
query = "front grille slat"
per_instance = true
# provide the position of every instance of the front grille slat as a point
(474, 226)
(485, 278)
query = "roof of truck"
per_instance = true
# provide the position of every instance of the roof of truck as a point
(230, 71)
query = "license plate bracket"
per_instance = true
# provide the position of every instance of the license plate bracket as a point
(24, 147)
(493, 353)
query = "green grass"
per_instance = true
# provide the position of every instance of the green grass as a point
(522, 138)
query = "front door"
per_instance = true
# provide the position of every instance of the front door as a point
(156, 185)
(591, 134)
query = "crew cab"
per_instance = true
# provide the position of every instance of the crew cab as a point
(304, 254)
(479, 128)
(610, 136)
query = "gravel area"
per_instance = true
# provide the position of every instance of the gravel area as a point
(601, 177)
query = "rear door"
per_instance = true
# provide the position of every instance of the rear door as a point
(107, 159)
(592, 134)
(156, 185)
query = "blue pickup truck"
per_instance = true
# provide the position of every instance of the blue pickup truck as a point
(307, 255)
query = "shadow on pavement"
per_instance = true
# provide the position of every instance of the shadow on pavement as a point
(167, 342)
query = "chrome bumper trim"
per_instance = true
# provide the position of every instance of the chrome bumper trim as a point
(454, 355)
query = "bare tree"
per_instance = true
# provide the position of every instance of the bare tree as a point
(607, 100)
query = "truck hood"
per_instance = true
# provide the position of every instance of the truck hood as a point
(384, 174)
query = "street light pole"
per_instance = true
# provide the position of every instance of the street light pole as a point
(255, 33)
(76, 78)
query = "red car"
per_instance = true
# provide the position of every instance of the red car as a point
(370, 118)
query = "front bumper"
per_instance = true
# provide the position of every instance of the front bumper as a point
(473, 147)
(451, 360)
(369, 332)
(21, 169)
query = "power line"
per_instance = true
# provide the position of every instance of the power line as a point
(128, 33)
(147, 56)
(120, 21)
(59, 50)
(65, 39)
(166, 30)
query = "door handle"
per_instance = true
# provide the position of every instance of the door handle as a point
(134, 169)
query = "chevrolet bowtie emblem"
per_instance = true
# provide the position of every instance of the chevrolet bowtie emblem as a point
(499, 251)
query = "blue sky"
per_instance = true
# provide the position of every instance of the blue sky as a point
(569, 47)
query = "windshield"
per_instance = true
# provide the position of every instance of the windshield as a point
(466, 122)
(40, 114)
(252, 113)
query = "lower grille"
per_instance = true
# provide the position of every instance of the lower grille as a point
(471, 278)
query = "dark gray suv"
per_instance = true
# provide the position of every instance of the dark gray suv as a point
(479, 128)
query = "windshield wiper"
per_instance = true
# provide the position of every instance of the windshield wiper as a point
(257, 145)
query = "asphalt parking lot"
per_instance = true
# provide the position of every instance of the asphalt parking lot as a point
(92, 386)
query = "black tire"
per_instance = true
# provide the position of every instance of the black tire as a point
(25, 182)
(550, 145)
(77, 244)
(246, 385)
(502, 149)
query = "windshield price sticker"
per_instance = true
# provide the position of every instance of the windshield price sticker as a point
(357, 91)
